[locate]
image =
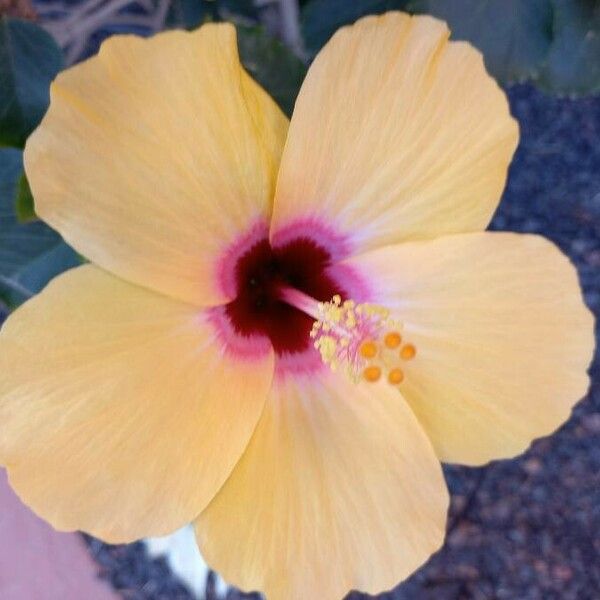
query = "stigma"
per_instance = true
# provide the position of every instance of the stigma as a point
(364, 339)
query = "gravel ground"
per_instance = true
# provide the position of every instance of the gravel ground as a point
(523, 529)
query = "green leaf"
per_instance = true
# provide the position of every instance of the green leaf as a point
(24, 204)
(273, 65)
(30, 254)
(29, 61)
(187, 13)
(242, 8)
(514, 35)
(322, 18)
(573, 64)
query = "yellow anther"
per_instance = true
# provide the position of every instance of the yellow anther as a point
(407, 352)
(350, 320)
(392, 339)
(349, 334)
(327, 348)
(368, 349)
(395, 376)
(372, 373)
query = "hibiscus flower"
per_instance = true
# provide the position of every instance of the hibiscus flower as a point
(284, 328)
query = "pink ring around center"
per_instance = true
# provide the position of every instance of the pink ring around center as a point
(314, 235)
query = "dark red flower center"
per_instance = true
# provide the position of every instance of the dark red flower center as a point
(259, 275)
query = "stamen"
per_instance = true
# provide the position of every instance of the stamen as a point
(395, 376)
(392, 339)
(368, 349)
(408, 352)
(372, 373)
(361, 337)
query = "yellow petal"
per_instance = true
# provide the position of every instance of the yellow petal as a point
(339, 489)
(502, 334)
(397, 135)
(121, 414)
(154, 155)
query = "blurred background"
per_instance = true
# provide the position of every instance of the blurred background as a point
(521, 529)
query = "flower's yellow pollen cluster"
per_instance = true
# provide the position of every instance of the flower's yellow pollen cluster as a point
(363, 338)
(368, 349)
(386, 355)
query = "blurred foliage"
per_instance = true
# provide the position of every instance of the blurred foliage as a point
(30, 254)
(553, 43)
(273, 65)
(192, 13)
(24, 209)
(22, 9)
(573, 63)
(29, 61)
(514, 35)
(243, 8)
(322, 18)
(187, 13)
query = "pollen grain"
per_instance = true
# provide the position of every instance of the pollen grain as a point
(408, 352)
(395, 376)
(392, 339)
(368, 349)
(372, 373)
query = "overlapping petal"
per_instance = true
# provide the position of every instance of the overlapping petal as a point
(121, 412)
(397, 134)
(502, 333)
(339, 489)
(155, 155)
